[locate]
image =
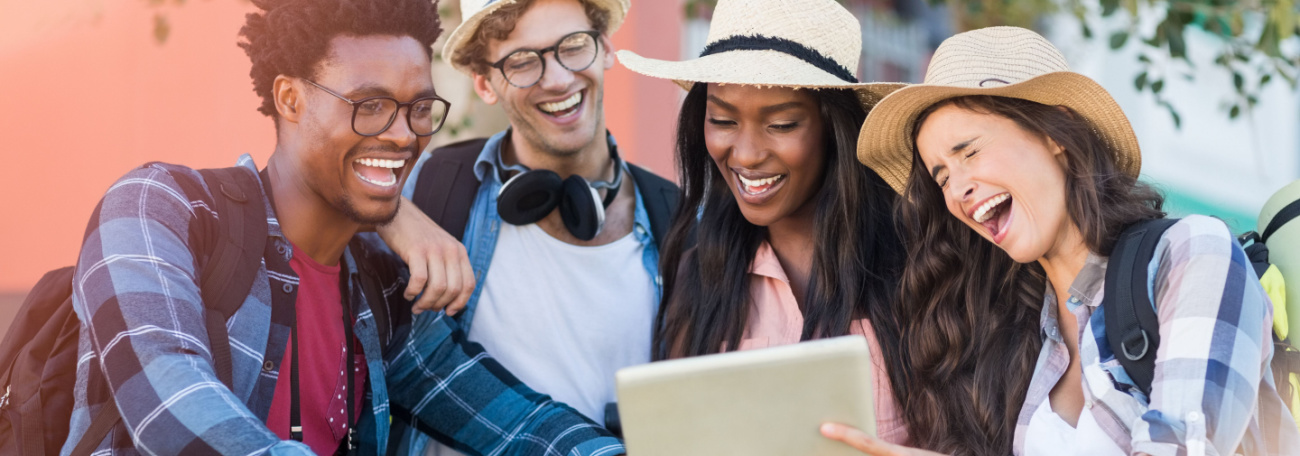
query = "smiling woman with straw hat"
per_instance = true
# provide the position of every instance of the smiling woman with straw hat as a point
(1018, 177)
(792, 238)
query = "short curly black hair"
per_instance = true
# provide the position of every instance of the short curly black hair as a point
(290, 37)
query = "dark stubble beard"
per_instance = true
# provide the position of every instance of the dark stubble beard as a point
(534, 136)
(345, 205)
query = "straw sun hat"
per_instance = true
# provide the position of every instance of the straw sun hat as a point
(781, 43)
(1002, 61)
(475, 11)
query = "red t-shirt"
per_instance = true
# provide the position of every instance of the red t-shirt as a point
(323, 385)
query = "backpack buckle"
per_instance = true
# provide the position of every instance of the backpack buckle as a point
(1146, 344)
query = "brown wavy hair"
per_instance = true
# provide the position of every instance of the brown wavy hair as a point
(971, 313)
(501, 23)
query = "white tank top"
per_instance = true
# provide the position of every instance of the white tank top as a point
(563, 318)
(1050, 435)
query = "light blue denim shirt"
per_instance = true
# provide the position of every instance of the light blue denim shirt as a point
(484, 223)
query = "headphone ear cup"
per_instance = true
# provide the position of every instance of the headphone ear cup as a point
(581, 209)
(529, 196)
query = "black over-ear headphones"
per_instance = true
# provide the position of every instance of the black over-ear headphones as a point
(532, 194)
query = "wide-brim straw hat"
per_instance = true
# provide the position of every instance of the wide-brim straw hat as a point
(473, 12)
(1000, 61)
(811, 44)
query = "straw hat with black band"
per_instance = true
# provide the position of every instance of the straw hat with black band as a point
(813, 44)
(474, 12)
(1000, 61)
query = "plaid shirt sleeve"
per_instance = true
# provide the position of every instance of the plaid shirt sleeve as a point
(465, 399)
(136, 293)
(1215, 345)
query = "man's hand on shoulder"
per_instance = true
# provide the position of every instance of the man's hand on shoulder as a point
(441, 274)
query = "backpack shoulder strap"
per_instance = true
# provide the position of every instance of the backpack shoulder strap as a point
(236, 257)
(660, 197)
(1132, 329)
(446, 185)
(1288, 213)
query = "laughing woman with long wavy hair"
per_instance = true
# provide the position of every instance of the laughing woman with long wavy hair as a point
(1017, 178)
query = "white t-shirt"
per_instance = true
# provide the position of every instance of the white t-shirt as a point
(1050, 435)
(564, 318)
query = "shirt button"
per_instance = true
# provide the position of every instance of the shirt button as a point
(268, 366)
(287, 288)
(640, 230)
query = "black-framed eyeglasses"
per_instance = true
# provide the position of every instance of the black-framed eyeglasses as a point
(371, 116)
(575, 52)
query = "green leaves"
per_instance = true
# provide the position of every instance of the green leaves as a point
(1118, 39)
(1254, 56)
(1108, 7)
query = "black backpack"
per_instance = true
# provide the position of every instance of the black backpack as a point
(38, 358)
(1132, 329)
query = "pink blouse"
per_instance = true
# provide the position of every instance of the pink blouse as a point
(775, 320)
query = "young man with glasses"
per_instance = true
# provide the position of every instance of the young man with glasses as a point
(563, 300)
(323, 345)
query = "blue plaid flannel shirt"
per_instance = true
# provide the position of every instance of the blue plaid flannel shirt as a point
(1213, 392)
(142, 335)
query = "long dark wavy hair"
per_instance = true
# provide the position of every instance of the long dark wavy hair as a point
(972, 314)
(856, 261)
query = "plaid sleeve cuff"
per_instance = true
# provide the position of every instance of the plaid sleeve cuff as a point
(601, 446)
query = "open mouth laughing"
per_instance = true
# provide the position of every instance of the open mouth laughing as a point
(378, 171)
(565, 108)
(995, 215)
(757, 187)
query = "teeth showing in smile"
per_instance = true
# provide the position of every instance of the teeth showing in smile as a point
(552, 108)
(986, 210)
(381, 163)
(756, 186)
(383, 167)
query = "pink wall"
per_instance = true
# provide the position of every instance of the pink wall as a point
(86, 94)
(639, 110)
(89, 95)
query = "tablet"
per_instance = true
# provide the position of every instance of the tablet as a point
(767, 402)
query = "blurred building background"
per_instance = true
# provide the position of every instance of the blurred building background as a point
(91, 88)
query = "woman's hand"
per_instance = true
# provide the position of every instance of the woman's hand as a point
(860, 441)
(440, 271)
